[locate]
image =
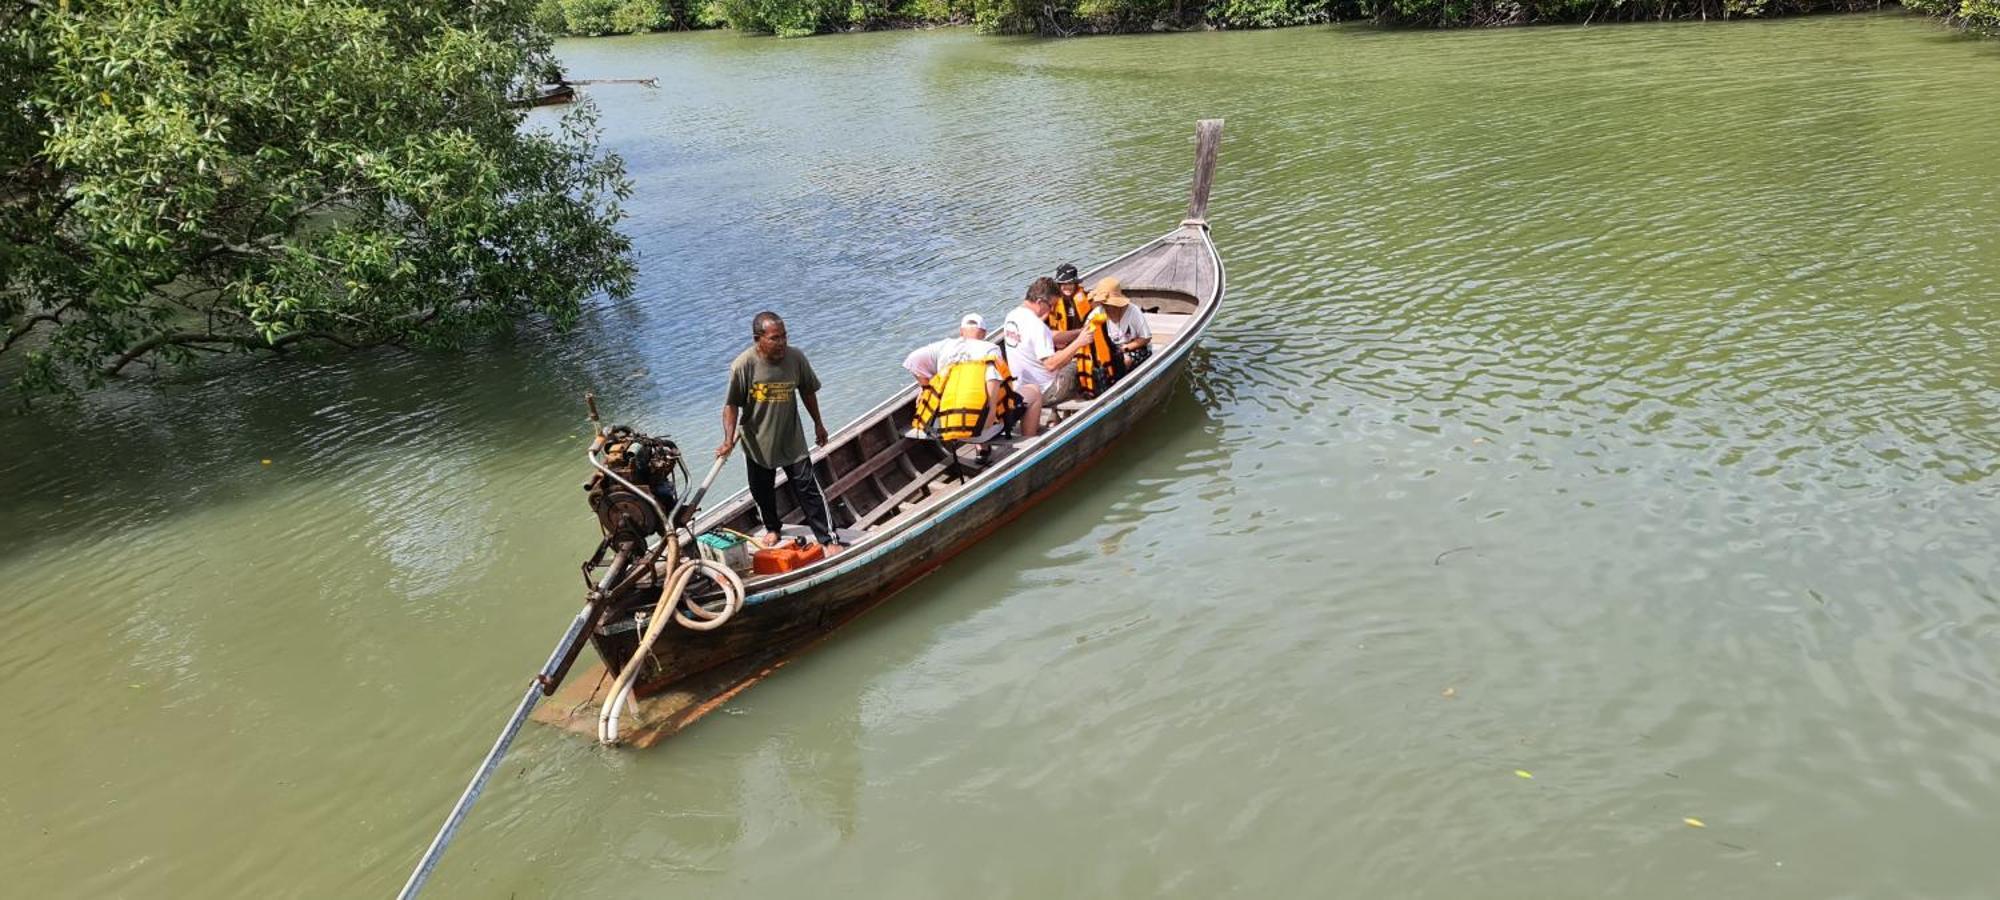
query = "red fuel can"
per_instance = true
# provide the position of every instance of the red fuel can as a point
(786, 557)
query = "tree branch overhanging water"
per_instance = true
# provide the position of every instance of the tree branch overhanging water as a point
(257, 174)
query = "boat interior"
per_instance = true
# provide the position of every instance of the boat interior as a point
(874, 475)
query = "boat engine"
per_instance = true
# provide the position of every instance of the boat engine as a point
(647, 463)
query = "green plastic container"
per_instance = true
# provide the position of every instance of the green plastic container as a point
(729, 548)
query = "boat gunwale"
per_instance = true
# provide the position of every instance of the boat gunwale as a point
(978, 487)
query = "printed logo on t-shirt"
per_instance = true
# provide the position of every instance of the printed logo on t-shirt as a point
(1013, 335)
(772, 391)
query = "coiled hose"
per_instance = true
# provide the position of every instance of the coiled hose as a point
(675, 575)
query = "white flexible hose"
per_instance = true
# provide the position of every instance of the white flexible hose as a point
(677, 574)
(705, 619)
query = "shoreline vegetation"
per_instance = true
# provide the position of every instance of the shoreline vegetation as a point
(187, 180)
(1066, 18)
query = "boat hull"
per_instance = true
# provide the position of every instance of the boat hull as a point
(910, 505)
(702, 670)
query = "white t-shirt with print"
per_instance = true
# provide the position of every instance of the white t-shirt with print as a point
(1029, 341)
(928, 360)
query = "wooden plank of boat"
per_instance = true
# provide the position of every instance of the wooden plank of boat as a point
(898, 505)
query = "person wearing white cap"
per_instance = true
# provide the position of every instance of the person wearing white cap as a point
(926, 363)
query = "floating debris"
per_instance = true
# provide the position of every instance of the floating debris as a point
(1694, 822)
(1524, 773)
(1439, 559)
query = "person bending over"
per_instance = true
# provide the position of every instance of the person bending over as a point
(962, 385)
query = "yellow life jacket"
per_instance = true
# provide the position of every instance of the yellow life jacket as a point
(1066, 313)
(952, 405)
(1100, 363)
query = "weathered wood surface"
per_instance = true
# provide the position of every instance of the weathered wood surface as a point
(1207, 142)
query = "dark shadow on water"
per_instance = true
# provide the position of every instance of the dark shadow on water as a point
(140, 452)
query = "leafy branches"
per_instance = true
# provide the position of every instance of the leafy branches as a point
(1981, 16)
(256, 174)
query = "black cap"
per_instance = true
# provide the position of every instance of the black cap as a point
(1066, 274)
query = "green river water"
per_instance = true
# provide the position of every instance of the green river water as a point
(1620, 406)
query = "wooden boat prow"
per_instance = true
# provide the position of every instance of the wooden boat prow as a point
(906, 506)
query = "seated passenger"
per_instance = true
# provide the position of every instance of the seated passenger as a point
(1125, 325)
(1099, 365)
(963, 386)
(1072, 302)
(1046, 376)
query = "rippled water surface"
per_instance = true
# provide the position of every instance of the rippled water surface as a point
(1615, 406)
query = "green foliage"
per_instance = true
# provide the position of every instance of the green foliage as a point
(634, 16)
(1448, 13)
(1017, 16)
(940, 11)
(589, 17)
(1270, 13)
(257, 174)
(548, 16)
(599, 17)
(1065, 17)
(1126, 15)
(732, 12)
(785, 18)
(1113, 16)
(902, 13)
(1976, 15)
(1981, 14)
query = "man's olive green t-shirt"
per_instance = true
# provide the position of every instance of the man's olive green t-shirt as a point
(767, 393)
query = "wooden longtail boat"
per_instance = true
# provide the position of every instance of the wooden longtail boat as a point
(904, 505)
(549, 95)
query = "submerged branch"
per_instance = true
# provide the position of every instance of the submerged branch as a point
(22, 330)
(29, 324)
(202, 340)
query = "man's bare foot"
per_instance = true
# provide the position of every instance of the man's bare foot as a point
(768, 539)
(834, 549)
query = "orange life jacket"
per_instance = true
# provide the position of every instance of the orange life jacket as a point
(1100, 364)
(1066, 313)
(952, 405)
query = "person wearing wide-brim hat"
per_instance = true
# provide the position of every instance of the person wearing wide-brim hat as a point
(1124, 326)
(1071, 305)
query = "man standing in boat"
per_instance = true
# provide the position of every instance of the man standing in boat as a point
(765, 382)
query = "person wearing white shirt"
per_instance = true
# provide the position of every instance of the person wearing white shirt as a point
(1124, 326)
(1045, 375)
(926, 361)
